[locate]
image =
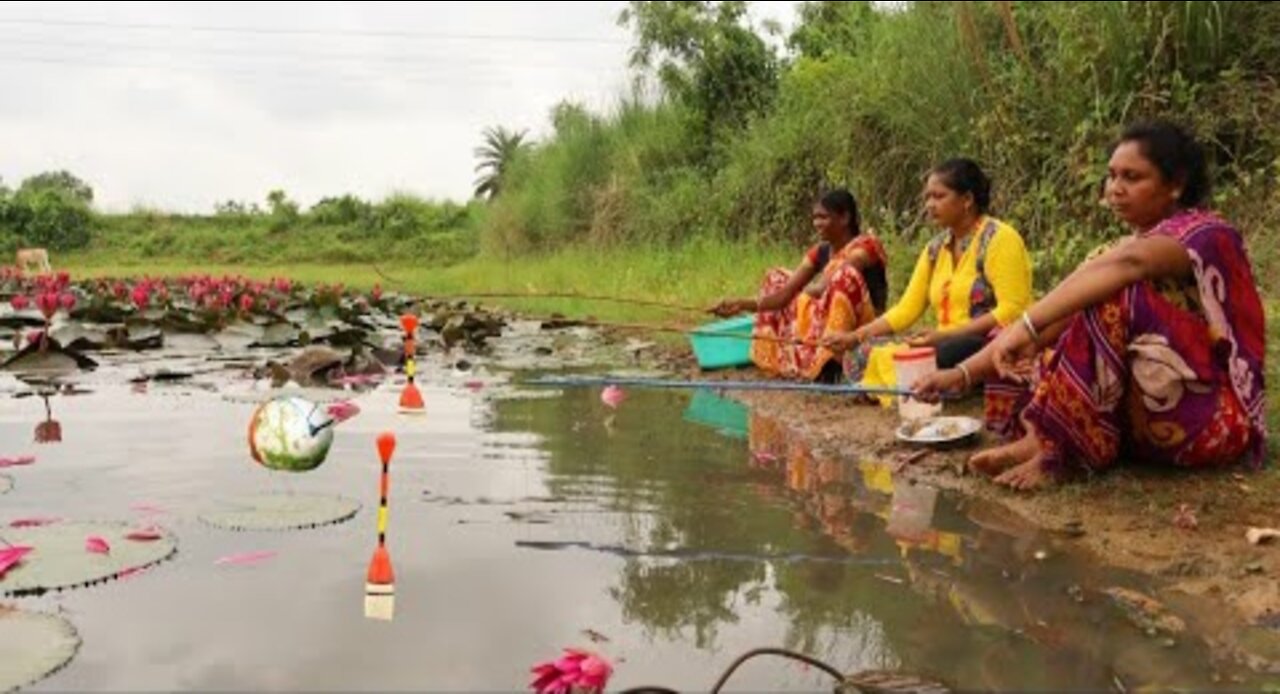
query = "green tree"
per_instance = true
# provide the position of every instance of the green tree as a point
(824, 29)
(283, 211)
(500, 148)
(61, 181)
(707, 56)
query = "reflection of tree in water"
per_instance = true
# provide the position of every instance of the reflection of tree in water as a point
(670, 596)
(839, 613)
(676, 486)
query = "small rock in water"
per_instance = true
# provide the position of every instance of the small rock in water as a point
(1041, 555)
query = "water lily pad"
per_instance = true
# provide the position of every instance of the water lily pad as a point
(278, 335)
(80, 337)
(281, 512)
(22, 319)
(141, 337)
(33, 646)
(53, 361)
(239, 336)
(60, 562)
(190, 342)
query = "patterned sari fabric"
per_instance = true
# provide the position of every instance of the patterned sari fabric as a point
(791, 337)
(1161, 376)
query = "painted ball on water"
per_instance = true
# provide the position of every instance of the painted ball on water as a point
(294, 434)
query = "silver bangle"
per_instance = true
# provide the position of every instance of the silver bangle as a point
(1031, 328)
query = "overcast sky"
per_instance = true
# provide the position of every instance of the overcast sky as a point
(179, 105)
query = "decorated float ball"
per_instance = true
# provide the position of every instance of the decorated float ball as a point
(293, 434)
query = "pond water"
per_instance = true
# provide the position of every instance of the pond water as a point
(670, 534)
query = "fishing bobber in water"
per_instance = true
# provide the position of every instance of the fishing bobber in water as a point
(411, 398)
(380, 580)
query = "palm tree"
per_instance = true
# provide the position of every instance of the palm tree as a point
(499, 150)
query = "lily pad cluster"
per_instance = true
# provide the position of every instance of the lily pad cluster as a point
(227, 313)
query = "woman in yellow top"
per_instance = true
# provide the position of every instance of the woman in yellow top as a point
(976, 276)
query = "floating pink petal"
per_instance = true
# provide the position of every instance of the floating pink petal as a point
(342, 411)
(97, 545)
(147, 534)
(244, 558)
(131, 572)
(148, 509)
(612, 396)
(474, 385)
(17, 462)
(12, 556)
(33, 522)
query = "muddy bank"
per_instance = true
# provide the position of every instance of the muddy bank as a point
(1187, 531)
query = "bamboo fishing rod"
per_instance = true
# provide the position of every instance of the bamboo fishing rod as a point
(677, 330)
(680, 384)
(578, 296)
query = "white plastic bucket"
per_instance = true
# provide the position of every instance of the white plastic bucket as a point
(910, 365)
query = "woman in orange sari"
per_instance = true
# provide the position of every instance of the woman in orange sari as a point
(840, 286)
(1153, 350)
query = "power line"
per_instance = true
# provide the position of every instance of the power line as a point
(273, 31)
(313, 77)
(360, 58)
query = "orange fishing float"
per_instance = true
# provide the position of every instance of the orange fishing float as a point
(411, 397)
(379, 587)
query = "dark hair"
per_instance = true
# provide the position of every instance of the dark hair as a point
(1176, 154)
(841, 201)
(965, 176)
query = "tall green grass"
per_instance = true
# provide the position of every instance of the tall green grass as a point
(934, 81)
(698, 274)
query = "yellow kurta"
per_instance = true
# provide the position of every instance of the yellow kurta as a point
(992, 274)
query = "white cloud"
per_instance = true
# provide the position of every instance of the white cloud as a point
(179, 105)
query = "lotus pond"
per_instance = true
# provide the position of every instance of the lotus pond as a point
(667, 532)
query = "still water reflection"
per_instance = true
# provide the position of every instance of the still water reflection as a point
(671, 534)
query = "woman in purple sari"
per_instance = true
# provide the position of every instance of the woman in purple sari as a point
(1152, 350)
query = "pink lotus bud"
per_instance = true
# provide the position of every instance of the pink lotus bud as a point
(48, 304)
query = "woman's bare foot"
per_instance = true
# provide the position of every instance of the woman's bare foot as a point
(994, 461)
(1026, 477)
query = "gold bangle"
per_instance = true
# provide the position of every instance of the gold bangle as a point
(968, 379)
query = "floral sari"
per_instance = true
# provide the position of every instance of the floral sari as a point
(787, 342)
(1160, 374)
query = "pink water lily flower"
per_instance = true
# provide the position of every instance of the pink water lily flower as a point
(612, 396)
(576, 671)
(11, 557)
(20, 302)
